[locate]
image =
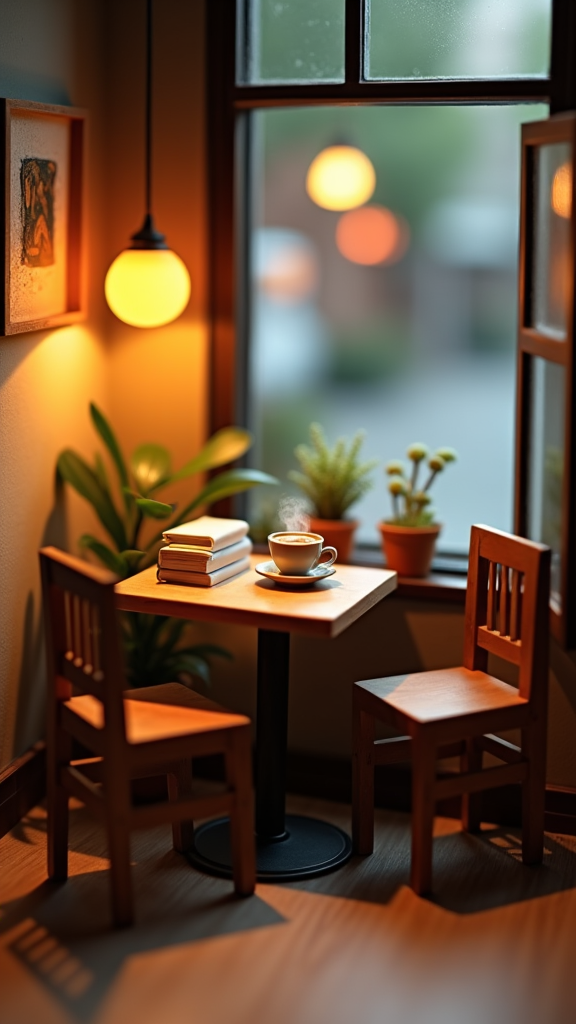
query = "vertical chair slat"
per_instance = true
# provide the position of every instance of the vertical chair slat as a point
(491, 607)
(87, 637)
(515, 606)
(77, 631)
(504, 601)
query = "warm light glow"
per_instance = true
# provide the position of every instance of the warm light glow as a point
(290, 275)
(562, 191)
(372, 235)
(340, 178)
(147, 287)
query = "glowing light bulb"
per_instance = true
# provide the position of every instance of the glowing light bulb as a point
(340, 178)
(562, 191)
(372, 235)
(147, 287)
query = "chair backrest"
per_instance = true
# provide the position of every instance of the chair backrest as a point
(507, 606)
(83, 647)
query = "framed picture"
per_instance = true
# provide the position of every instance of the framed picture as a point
(546, 408)
(41, 171)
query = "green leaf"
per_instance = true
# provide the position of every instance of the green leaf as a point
(154, 509)
(150, 464)
(233, 481)
(132, 557)
(224, 446)
(192, 665)
(100, 471)
(83, 479)
(109, 558)
(205, 650)
(107, 434)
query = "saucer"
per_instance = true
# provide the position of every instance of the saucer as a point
(271, 571)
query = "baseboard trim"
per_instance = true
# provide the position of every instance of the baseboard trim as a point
(23, 784)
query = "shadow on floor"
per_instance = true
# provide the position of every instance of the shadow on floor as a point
(78, 957)
(471, 873)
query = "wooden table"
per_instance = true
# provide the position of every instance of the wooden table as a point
(293, 847)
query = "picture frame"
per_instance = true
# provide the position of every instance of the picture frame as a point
(41, 178)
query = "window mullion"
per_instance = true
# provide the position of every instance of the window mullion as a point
(354, 42)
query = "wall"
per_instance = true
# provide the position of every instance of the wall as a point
(90, 53)
(50, 50)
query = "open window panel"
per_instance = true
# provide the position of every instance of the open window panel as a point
(545, 477)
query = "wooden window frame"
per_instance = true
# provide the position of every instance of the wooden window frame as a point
(534, 343)
(229, 104)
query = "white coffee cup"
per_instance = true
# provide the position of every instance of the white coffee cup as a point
(297, 552)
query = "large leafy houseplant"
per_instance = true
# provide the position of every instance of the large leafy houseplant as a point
(153, 644)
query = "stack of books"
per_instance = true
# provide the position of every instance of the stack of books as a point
(204, 552)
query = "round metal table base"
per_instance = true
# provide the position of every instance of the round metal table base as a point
(310, 848)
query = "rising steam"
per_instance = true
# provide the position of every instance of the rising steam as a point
(293, 515)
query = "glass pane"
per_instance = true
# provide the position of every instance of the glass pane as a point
(458, 38)
(403, 323)
(295, 41)
(552, 191)
(546, 460)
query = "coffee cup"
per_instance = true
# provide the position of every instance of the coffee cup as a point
(296, 553)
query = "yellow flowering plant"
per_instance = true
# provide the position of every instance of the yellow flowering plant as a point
(411, 503)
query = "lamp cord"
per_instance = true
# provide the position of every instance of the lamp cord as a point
(149, 107)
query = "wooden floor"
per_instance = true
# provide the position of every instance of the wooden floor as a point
(497, 945)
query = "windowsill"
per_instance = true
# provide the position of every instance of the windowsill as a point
(440, 585)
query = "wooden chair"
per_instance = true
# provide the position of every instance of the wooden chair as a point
(456, 710)
(131, 734)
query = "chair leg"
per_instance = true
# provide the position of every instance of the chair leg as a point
(533, 793)
(58, 757)
(423, 780)
(471, 761)
(239, 778)
(362, 778)
(180, 788)
(118, 828)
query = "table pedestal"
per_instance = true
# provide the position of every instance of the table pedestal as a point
(290, 847)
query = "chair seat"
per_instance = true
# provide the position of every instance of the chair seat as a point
(443, 694)
(160, 712)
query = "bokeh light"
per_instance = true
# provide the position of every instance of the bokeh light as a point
(562, 191)
(340, 178)
(372, 235)
(287, 268)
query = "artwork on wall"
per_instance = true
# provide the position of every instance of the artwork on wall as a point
(42, 184)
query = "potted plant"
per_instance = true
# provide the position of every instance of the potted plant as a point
(333, 479)
(409, 537)
(154, 645)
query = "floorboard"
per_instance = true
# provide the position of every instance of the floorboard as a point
(494, 946)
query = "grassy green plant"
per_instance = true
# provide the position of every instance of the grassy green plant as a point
(154, 646)
(411, 503)
(333, 479)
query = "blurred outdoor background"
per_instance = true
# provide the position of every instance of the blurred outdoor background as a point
(401, 321)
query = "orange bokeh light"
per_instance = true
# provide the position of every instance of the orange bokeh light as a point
(562, 191)
(372, 235)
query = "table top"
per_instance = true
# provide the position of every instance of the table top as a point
(325, 609)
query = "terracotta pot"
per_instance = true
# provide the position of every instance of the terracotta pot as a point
(409, 549)
(337, 532)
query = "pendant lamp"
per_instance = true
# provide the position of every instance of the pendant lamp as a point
(147, 285)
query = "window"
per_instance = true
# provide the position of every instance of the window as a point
(418, 347)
